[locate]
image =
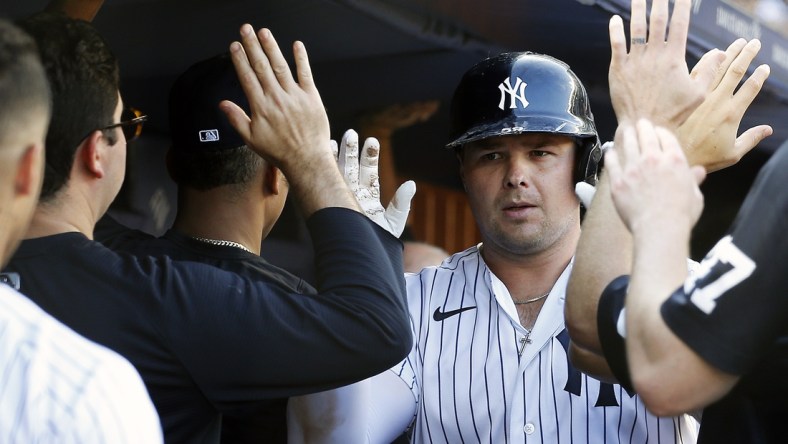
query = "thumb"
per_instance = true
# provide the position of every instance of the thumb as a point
(707, 76)
(707, 70)
(237, 118)
(403, 196)
(751, 138)
(397, 212)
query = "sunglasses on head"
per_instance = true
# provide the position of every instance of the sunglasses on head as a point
(131, 120)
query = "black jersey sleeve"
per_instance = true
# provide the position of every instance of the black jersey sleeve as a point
(249, 340)
(609, 313)
(734, 307)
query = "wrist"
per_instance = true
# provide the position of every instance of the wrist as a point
(318, 184)
(300, 163)
(655, 231)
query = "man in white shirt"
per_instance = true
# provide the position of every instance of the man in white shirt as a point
(55, 386)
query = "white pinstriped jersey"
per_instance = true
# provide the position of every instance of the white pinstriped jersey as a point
(472, 385)
(56, 386)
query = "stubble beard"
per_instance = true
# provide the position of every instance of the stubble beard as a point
(528, 238)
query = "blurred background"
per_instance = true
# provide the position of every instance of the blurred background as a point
(388, 68)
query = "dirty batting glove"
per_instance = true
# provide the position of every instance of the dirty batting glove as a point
(361, 174)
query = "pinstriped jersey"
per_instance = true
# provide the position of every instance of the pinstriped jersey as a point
(482, 377)
(56, 386)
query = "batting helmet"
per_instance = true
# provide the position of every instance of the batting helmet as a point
(522, 92)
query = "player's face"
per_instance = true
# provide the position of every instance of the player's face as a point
(521, 192)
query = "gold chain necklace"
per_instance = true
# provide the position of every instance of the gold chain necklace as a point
(538, 298)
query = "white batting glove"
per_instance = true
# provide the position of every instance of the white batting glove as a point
(361, 174)
(585, 192)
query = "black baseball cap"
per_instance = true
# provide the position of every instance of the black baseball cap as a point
(196, 122)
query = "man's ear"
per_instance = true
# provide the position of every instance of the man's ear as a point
(90, 154)
(29, 171)
(272, 179)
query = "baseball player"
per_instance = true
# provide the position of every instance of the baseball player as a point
(491, 349)
(491, 353)
(717, 340)
(490, 361)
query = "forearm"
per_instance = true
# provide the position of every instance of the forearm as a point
(653, 350)
(659, 268)
(590, 363)
(319, 185)
(364, 264)
(333, 416)
(603, 253)
(376, 410)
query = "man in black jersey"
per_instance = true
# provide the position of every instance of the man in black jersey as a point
(713, 340)
(208, 342)
(709, 131)
(228, 200)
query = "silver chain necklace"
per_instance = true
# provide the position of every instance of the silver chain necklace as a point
(222, 243)
(528, 301)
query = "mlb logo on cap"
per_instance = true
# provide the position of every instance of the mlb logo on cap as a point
(211, 135)
(194, 107)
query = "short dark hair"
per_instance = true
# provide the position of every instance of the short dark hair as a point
(24, 91)
(207, 169)
(84, 76)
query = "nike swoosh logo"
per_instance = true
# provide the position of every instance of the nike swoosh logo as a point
(441, 315)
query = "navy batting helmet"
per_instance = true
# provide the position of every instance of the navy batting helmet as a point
(521, 92)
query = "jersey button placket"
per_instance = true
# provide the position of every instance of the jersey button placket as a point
(529, 428)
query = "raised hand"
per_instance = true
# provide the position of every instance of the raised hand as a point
(361, 174)
(709, 135)
(651, 183)
(288, 125)
(652, 79)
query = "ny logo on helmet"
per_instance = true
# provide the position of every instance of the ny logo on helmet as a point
(515, 93)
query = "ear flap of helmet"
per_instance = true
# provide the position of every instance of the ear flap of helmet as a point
(589, 159)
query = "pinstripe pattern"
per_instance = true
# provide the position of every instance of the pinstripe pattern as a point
(473, 387)
(56, 386)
